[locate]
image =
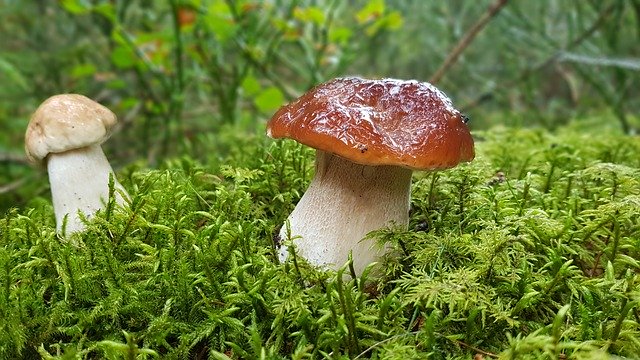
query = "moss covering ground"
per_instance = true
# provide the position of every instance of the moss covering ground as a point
(529, 252)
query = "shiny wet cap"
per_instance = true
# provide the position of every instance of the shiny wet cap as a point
(378, 122)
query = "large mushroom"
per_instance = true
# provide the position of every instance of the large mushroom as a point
(65, 134)
(369, 135)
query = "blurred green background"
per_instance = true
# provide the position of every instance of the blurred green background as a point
(186, 78)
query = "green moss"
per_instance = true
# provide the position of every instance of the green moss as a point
(531, 251)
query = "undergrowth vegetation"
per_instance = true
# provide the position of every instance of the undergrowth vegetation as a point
(529, 252)
(173, 69)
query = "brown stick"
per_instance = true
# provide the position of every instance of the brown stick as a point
(477, 350)
(12, 186)
(467, 39)
(13, 158)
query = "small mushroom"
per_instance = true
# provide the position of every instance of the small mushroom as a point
(65, 134)
(369, 136)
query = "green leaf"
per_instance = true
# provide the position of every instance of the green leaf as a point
(311, 14)
(269, 99)
(11, 72)
(251, 86)
(558, 321)
(107, 10)
(220, 21)
(373, 10)
(117, 83)
(340, 35)
(83, 70)
(218, 355)
(123, 57)
(609, 274)
(76, 7)
(393, 21)
(129, 102)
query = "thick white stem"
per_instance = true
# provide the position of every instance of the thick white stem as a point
(344, 202)
(80, 183)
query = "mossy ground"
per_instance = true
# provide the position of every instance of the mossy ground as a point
(532, 251)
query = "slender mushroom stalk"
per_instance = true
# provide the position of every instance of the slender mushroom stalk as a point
(344, 202)
(72, 191)
(65, 133)
(370, 135)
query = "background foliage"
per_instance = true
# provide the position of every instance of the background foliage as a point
(529, 252)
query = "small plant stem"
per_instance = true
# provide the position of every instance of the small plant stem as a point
(212, 280)
(414, 318)
(352, 341)
(295, 265)
(616, 237)
(384, 308)
(432, 189)
(67, 263)
(614, 187)
(352, 270)
(615, 228)
(14, 159)
(149, 231)
(467, 39)
(525, 195)
(477, 350)
(12, 186)
(111, 200)
(382, 342)
(7, 284)
(110, 269)
(403, 247)
(21, 311)
(178, 49)
(29, 234)
(626, 307)
(462, 194)
(47, 255)
(556, 327)
(324, 44)
(135, 207)
(177, 86)
(547, 183)
(567, 191)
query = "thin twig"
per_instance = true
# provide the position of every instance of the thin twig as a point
(458, 342)
(477, 350)
(553, 57)
(12, 186)
(13, 158)
(467, 39)
(382, 342)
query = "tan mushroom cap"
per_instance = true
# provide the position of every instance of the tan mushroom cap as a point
(378, 122)
(66, 122)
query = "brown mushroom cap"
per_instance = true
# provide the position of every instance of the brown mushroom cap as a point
(66, 122)
(378, 122)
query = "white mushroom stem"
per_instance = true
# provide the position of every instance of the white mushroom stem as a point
(80, 183)
(344, 202)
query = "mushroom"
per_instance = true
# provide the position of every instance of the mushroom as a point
(369, 136)
(65, 134)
